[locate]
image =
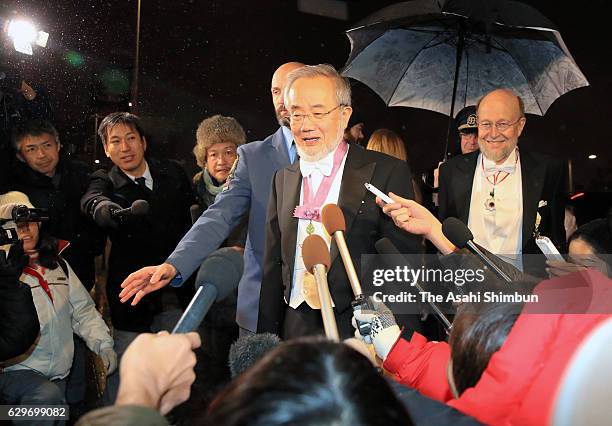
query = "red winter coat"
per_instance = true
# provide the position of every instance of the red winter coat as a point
(519, 385)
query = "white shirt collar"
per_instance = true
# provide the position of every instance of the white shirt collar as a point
(324, 165)
(146, 175)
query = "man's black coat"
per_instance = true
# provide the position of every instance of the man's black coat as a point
(141, 241)
(365, 224)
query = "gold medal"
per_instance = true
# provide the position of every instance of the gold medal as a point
(310, 291)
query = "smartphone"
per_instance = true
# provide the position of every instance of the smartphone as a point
(379, 193)
(549, 249)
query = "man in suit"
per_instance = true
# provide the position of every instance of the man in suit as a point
(506, 196)
(329, 171)
(137, 240)
(248, 189)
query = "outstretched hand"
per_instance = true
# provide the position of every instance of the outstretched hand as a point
(145, 281)
(414, 218)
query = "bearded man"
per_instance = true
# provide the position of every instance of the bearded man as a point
(506, 196)
(329, 171)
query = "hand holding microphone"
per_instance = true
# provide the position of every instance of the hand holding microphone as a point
(109, 215)
(333, 221)
(384, 330)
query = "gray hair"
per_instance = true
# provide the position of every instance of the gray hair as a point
(343, 88)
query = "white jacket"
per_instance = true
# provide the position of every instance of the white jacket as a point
(72, 310)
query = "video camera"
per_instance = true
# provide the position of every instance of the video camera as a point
(19, 214)
(23, 213)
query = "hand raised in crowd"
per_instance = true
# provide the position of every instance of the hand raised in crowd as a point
(384, 330)
(12, 265)
(146, 280)
(416, 219)
(157, 370)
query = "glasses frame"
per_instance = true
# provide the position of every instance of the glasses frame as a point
(501, 127)
(314, 116)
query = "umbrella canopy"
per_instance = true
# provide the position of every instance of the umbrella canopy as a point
(426, 54)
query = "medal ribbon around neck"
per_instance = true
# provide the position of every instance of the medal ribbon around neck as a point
(310, 208)
(490, 202)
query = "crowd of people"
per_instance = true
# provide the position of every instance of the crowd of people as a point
(154, 226)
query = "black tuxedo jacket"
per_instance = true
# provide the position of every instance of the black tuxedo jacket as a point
(365, 224)
(543, 178)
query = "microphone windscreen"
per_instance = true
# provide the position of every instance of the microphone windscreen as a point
(315, 252)
(140, 208)
(222, 269)
(457, 232)
(385, 246)
(249, 348)
(333, 219)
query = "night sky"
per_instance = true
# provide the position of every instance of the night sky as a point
(202, 57)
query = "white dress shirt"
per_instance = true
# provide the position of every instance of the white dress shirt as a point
(316, 176)
(146, 175)
(500, 229)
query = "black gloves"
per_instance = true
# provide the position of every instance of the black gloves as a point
(103, 214)
(11, 266)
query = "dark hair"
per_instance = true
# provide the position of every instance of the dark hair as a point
(479, 330)
(111, 120)
(309, 381)
(598, 234)
(34, 127)
(48, 255)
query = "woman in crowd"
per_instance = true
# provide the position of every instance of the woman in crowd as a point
(590, 246)
(524, 367)
(63, 306)
(390, 143)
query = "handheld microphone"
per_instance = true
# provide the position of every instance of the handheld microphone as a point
(218, 277)
(461, 236)
(248, 349)
(384, 246)
(138, 208)
(335, 225)
(316, 259)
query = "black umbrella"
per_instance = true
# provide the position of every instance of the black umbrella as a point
(442, 56)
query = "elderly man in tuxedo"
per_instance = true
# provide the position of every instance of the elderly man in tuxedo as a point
(506, 196)
(329, 171)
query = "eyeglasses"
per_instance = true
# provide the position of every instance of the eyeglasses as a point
(501, 126)
(298, 118)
